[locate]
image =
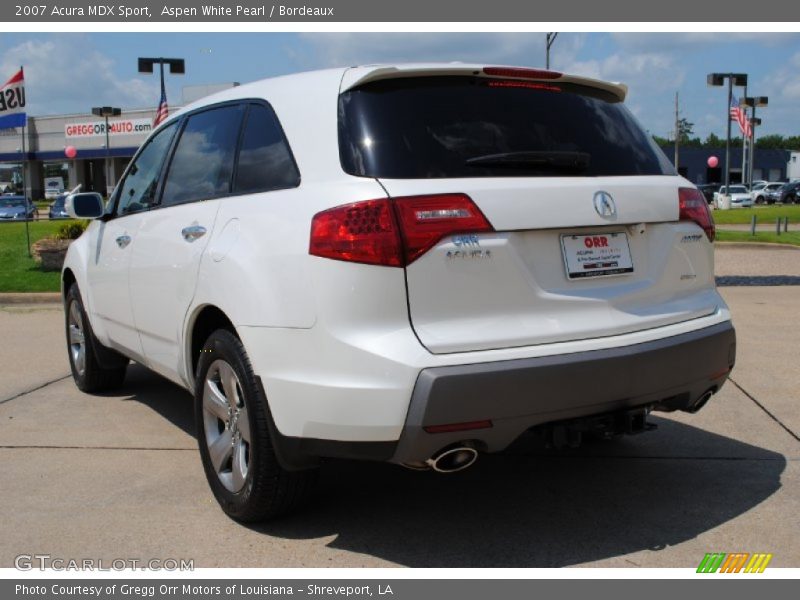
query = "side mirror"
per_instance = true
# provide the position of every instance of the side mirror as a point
(86, 205)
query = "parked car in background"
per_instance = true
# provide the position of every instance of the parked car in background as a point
(740, 196)
(58, 209)
(789, 193)
(708, 190)
(767, 194)
(16, 208)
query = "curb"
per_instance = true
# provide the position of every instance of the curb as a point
(30, 298)
(755, 245)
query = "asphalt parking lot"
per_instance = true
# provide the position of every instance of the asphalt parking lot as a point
(118, 476)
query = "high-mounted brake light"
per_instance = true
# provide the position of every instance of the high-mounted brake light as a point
(693, 207)
(528, 85)
(521, 73)
(392, 232)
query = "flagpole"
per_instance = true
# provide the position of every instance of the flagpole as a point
(744, 141)
(25, 182)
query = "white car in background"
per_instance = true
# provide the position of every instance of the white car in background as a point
(769, 193)
(740, 196)
(404, 263)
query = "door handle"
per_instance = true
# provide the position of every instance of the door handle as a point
(123, 240)
(193, 232)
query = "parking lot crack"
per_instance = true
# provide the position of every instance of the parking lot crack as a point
(34, 389)
(765, 409)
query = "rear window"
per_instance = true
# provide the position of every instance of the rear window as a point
(437, 127)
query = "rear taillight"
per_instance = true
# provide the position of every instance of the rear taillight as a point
(424, 220)
(392, 232)
(363, 232)
(693, 207)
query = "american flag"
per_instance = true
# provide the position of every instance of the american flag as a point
(740, 116)
(163, 109)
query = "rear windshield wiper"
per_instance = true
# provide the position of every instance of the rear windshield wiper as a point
(534, 159)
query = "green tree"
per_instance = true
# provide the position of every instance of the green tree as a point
(771, 141)
(661, 141)
(712, 141)
(685, 130)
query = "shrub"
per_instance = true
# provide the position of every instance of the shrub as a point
(71, 231)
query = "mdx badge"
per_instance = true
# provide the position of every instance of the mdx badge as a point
(604, 205)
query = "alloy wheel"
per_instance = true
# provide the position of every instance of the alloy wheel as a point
(226, 425)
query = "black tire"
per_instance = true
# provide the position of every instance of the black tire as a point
(265, 489)
(98, 369)
(760, 200)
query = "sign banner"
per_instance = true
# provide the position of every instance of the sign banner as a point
(12, 102)
(115, 128)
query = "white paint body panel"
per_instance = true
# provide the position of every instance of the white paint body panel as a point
(332, 341)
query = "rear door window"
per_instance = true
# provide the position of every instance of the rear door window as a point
(202, 163)
(457, 126)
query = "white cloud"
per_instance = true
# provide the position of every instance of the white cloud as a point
(66, 73)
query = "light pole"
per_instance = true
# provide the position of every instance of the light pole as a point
(177, 66)
(718, 80)
(551, 38)
(105, 112)
(754, 102)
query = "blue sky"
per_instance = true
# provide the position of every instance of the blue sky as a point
(69, 73)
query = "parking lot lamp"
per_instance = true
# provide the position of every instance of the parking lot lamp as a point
(105, 112)
(718, 80)
(754, 102)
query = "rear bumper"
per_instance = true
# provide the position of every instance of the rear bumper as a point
(515, 395)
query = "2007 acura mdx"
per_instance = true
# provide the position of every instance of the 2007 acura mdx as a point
(404, 263)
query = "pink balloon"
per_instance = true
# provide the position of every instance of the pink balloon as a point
(71, 151)
(713, 161)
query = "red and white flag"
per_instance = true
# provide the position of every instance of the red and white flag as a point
(163, 108)
(12, 102)
(739, 115)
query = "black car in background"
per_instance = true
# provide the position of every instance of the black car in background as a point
(58, 209)
(708, 190)
(789, 192)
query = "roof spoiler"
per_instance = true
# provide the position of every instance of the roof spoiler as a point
(355, 76)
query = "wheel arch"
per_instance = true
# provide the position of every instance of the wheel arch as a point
(67, 279)
(205, 319)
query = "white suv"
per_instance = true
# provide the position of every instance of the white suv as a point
(407, 263)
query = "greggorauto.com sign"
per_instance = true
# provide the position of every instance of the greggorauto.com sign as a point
(116, 127)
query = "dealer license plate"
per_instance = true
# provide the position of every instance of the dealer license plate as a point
(596, 255)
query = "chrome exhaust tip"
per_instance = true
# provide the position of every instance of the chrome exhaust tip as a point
(453, 459)
(701, 402)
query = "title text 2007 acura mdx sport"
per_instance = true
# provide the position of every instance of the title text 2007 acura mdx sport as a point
(409, 263)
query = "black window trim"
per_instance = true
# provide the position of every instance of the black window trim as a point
(181, 121)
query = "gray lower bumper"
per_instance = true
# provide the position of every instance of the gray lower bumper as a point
(667, 374)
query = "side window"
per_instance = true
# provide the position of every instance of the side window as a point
(202, 164)
(138, 190)
(265, 161)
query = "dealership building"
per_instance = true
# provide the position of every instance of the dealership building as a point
(97, 166)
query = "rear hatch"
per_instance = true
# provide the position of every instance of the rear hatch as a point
(587, 241)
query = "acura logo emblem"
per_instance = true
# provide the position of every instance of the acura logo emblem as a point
(604, 205)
